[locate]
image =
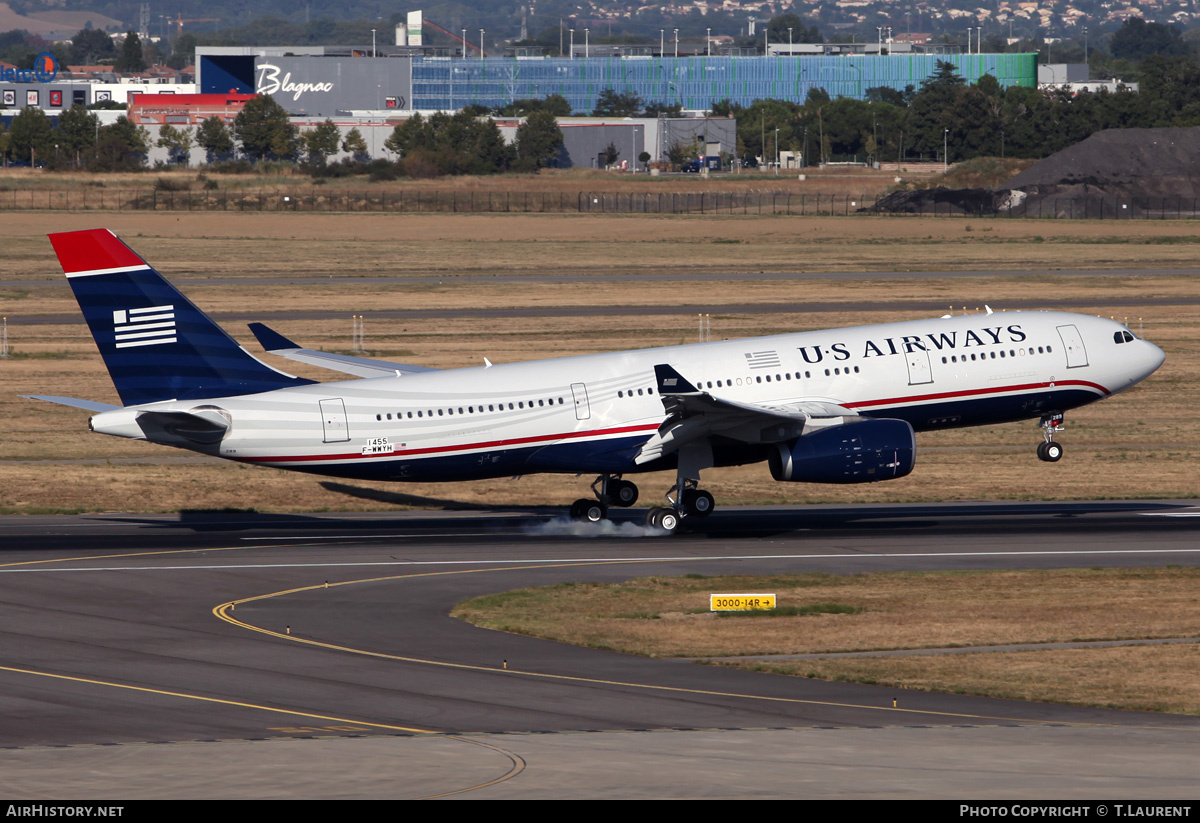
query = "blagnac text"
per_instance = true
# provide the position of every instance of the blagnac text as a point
(269, 83)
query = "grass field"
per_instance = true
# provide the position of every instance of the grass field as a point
(1139, 444)
(669, 617)
(1143, 443)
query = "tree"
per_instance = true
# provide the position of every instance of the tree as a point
(539, 141)
(320, 142)
(664, 110)
(121, 147)
(611, 103)
(131, 58)
(30, 135)
(451, 144)
(183, 51)
(264, 131)
(178, 142)
(89, 47)
(611, 153)
(77, 132)
(215, 138)
(355, 146)
(778, 30)
(1136, 40)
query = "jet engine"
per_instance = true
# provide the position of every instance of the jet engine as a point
(861, 452)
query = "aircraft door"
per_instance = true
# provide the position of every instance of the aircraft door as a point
(333, 420)
(918, 367)
(1073, 343)
(582, 410)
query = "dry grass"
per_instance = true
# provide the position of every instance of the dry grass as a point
(1140, 678)
(1139, 444)
(667, 617)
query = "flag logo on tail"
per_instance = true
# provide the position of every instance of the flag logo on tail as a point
(151, 326)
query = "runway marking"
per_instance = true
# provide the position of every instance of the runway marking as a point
(151, 553)
(223, 612)
(567, 561)
(218, 700)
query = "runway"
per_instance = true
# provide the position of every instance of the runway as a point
(212, 655)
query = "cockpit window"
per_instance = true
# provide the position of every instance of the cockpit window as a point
(1123, 337)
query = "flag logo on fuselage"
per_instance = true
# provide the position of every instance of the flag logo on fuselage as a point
(151, 326)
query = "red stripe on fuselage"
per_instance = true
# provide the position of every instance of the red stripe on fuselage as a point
(920, 398)
(490, 444)
(547, 438)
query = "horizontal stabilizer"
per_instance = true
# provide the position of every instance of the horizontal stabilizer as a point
(90, 405)
(275, 343)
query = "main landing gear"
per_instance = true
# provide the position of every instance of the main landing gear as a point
(692, 503)
(689, 503)
(610, 490)
(1049, 451)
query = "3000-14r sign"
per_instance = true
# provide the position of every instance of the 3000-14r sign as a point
(740, 602)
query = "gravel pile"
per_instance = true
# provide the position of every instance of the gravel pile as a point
(1112, 174)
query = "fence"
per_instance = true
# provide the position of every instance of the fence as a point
(538, 202)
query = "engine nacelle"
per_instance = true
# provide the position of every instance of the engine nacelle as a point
(862, 452)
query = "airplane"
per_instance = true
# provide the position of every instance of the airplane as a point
(833, 406)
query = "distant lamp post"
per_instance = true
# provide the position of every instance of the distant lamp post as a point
(777, 151)
(586, 32)
(372, 42)
(464, 42)
(481, 44)
(708, 40)
(676, 42)
(662, 42)
(945, 146)
(572, 55)
(1085, 51)
(789, 41)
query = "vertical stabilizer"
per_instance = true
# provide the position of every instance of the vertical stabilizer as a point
(156, 344)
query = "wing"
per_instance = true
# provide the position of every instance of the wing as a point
(276, 343)
(692, 414)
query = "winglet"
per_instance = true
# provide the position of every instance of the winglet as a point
(270, 339)
(671, 381)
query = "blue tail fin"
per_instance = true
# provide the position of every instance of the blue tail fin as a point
(156, 344)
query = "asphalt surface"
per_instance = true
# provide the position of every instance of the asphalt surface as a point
(210, 655)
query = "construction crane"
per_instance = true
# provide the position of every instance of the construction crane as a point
(180, 20)
(466, 45)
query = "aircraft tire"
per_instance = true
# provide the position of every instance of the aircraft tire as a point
(592, 511)
(667, 520)
(622, 493)
(1052, 452)
(698, 503)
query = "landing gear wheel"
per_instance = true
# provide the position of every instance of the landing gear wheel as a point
(698, 503)
(1050, 452)
(622, 493)
(665, 520)
(592, 511)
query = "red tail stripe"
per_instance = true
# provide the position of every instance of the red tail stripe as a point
(91, 250)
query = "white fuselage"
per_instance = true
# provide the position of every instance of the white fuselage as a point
(591, 413)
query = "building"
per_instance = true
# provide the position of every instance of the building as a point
(325, 81)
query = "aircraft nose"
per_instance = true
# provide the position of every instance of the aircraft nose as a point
(1154, 357)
